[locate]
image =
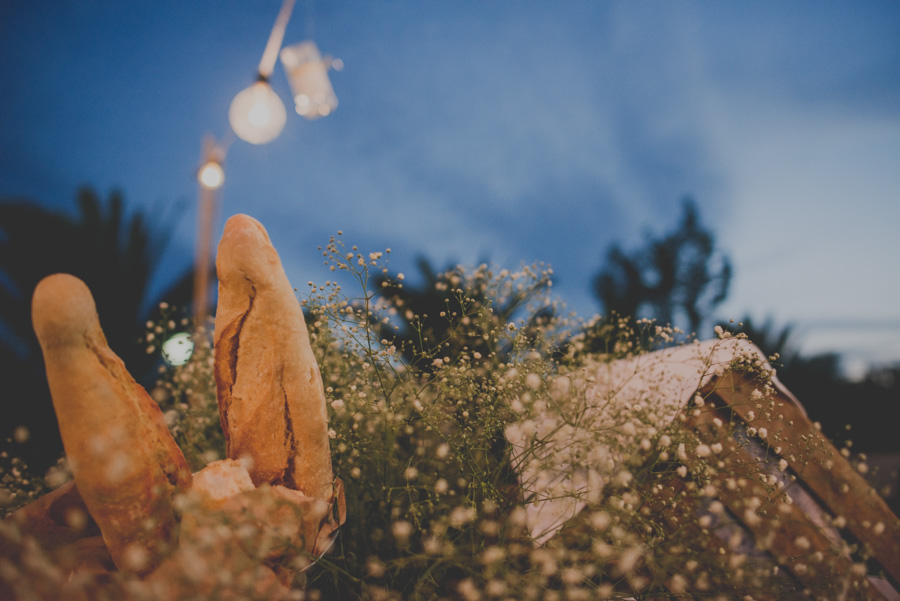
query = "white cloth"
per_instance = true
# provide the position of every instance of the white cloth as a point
(597, 417)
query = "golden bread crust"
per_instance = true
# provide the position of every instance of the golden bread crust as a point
(271, 398)
(125, 461)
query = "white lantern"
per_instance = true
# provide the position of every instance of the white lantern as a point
(257, 114)
(307, 74)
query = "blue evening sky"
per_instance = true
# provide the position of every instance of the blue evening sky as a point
(518, 131)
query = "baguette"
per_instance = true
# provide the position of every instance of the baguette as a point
(126, 464)
(271, 399)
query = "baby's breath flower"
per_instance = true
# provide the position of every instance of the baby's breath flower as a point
(468, 590)
(492, 555)
(402, 530)
(629, 559)
(461, 516)
(427, 419)
(21, 434)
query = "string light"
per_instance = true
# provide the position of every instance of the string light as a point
(257, 114)
(211, 175)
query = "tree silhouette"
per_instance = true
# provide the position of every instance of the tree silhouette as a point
(116, 255)
(678, 278)
(453, 311)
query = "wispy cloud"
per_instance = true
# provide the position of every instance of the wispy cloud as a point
(528, 132)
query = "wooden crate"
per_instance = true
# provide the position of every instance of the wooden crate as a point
(833, 510)
(789, 522)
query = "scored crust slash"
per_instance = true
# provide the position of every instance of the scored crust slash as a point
(271, 399)
(143, 512)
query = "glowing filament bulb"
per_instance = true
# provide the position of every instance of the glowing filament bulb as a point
(211, 175)
(257, 114)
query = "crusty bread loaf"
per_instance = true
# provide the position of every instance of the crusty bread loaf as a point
(221, 480)
(125, 462)
(269, 522)
(271, 399)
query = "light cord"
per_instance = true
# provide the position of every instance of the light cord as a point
(267, 64)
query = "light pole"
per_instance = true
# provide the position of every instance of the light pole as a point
(211, 176)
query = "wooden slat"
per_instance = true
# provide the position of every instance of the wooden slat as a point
(822, 469)
(680, 521)
(781, 530)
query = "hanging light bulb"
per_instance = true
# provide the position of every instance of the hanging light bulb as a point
(307, 73)
(211, 175)
(257, 114)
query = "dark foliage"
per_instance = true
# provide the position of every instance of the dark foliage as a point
(678, 278)
(829, 397)
(444, 315)
(116, 255)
